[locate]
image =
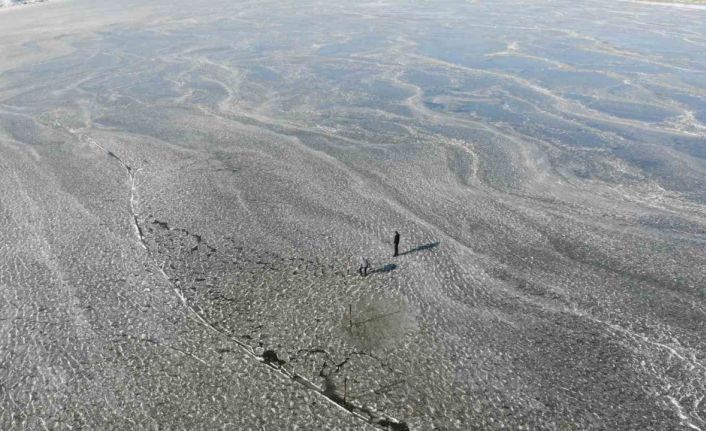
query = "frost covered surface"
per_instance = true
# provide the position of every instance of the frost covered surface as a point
(188, 187)
(10, 3)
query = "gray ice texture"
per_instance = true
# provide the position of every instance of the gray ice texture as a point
(187, 188)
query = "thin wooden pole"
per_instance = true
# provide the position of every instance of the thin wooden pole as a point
(350, 316)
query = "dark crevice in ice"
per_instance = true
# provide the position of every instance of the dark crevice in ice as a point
(270, 357)
(199, 240)
(330, 391)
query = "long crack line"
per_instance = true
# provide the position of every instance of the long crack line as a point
(132, 174)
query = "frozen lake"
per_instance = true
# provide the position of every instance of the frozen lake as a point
(188, 188)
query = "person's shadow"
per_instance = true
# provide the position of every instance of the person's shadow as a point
(429, 246)
(387, 268)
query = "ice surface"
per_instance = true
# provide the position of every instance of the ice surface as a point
(10, 3)
(188, 189)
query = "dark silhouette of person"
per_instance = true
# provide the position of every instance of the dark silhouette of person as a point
(397, 243)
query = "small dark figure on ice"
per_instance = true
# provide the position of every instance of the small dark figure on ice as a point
(364, 266)
(397, 244)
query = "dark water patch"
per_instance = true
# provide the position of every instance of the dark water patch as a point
(393, 426)
(270, 357)
(162, 224)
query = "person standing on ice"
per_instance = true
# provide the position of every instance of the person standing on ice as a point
(397, 244)
(364, 266)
